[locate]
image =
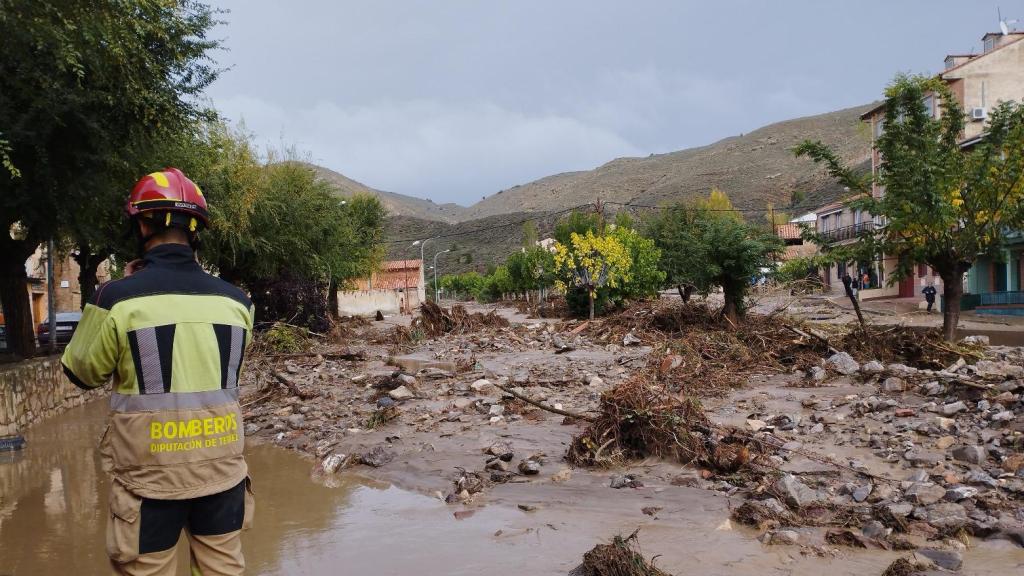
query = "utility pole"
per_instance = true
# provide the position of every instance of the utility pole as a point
(51, 298)
(436, 291)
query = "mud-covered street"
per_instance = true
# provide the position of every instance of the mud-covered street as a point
(833, 460)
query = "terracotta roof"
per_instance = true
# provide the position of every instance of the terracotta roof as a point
(788, 231)
(400, 265)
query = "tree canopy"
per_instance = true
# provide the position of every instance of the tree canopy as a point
(945, 203)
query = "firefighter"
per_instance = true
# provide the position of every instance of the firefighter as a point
(172, 339)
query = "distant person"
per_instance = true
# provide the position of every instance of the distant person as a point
(865, 281)
(171, 338)
(929, 296)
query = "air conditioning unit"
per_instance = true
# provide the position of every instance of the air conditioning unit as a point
(978, 114)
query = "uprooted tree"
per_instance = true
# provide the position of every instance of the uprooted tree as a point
(707, 248)
(945, 203)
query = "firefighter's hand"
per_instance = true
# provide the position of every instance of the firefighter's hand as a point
(134, 266)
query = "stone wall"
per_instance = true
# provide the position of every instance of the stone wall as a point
(36, 389)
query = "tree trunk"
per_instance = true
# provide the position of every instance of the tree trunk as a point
(88, 265)
(848, 286)
(332, 299)
(730, 310)
(682, 294)
(590, 298)
(16, 306)
(952, 291)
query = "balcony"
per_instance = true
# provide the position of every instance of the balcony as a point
(848, 232)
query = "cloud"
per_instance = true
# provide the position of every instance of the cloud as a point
(445, 151)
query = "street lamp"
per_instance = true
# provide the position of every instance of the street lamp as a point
(436, 292)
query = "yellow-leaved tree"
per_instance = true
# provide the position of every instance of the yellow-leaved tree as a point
(590, 262)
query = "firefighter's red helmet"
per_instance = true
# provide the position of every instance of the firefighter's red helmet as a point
(167, 192)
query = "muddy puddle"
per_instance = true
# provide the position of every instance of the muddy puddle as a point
(53, 502)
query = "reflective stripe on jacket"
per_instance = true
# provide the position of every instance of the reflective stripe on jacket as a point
(172, 338)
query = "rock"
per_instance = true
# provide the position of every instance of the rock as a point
(924, 458)
(251, 429)
(407, 379)
(954, 408)
(595, 381)
(1003, 416)
(872, 367)
(529, 467)
(843, 363)
(925, 493)
(970, 454)
(947, 515)
(501, 450)
(861, 493)
(933, 388)
(756, 425)
(977, 477)
(360, 378)
(998, 370)
(496, 419)
(900, 509)
(947, 559)
(332, 463)
(958, 493)
(401, 393)
(874, 529)
(619, 481)
(795, 492)
(945, 442)
(977, 340)
(781, 537)
(945, 423)
(901, 370)
(816, 374)
(630, 339)
(296, 421)
(496, 410)
(893, 384)
(378, 456)
(385, 402)
(482, 386)
(497, 464)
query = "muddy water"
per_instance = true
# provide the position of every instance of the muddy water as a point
(53, 497)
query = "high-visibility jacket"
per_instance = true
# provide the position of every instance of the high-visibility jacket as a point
(172, 338)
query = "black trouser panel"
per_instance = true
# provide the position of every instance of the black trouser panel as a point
(163, 520)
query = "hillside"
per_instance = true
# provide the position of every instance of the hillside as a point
(754, 169)
(396, 204)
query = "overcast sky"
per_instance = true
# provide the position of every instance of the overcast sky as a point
(453, 100)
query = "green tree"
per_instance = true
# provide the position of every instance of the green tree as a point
(709, 249)
(645, 276)
(84, 85)
(719, 202)
(590, 262)
(530, 234)
(943, 204)
(578, 223)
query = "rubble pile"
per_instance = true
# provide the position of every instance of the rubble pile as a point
(637, 420)
(435, 320)
(620, 558)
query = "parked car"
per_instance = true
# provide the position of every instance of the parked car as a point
(67, 322)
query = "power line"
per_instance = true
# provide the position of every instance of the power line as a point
(547, 215)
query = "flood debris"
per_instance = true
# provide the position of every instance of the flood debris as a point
(620, 558)
(435, 320)
(636, 420)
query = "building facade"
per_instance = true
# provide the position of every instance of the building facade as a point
(397, 287)
(979, 82)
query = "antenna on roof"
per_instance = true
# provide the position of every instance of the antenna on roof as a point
(1004, 25)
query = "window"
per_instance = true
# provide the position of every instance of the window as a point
(840, 270)
(990, 42)
(879, 126)
(929, 105)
